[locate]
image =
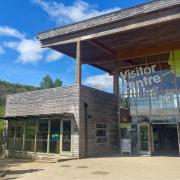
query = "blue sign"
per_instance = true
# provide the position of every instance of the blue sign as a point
(55, 136)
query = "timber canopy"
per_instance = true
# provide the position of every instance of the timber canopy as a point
(120, 36)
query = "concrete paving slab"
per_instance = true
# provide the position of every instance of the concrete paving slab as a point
(115, 168)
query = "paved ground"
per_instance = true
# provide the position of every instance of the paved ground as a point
(115, 168)
(16, 168)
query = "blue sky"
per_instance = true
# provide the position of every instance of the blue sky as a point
(21, 58)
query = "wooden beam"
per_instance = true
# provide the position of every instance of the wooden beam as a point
(127, 54)
(78, 63)
(116, 80)
(102, 47)
(137, 52)
(162, 18)
(152, 49)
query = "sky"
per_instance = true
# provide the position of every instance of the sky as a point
(22, 60)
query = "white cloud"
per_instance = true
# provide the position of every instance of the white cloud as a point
(1, 50)
(54, 56)
(62, 14)
(29, 50)
(102, 82)
(10, 44)
(8, 31)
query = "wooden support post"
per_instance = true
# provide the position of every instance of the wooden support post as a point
(35, 138)
(78, 63)
(60, 135)
(150, 139)
(116, 92)
(24, 135)
(15, 131)
(178, 134)
(48, 137)
(116, 80)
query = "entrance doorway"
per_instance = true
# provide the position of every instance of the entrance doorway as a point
(165, 139)
(66, 140)
(144, 139)
(55, 136)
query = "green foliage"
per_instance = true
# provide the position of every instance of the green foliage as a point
(15, 85)
(2, 112)
(58, 83)
(47, 82)
(11, 88)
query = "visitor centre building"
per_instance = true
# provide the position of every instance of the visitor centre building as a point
(140, 48)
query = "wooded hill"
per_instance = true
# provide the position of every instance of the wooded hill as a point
(7, 88)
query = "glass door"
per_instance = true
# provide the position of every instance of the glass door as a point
(144, 139)
(55, 136)
(66, 137)
(42, 136)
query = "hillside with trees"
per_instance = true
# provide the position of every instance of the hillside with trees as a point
(7, 88)
(11, 88)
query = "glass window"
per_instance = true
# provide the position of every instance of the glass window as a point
(19, 135)
(11, 135)
(30, 130)
(42, 136)
(167, 76)
(149, 87)
(102, 133)
(129, 131)
(174, 62)
(15, 133)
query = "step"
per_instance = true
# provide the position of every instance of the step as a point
(3, 173)
(54, 159)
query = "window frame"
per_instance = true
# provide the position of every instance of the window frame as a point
(101, 137)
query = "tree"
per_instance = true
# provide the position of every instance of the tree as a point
(46, 82)
(58, 83)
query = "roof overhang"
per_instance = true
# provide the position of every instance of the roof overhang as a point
(38, 116)
(121, 35)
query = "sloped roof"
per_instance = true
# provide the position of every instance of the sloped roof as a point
(110, 18)
(119, 36)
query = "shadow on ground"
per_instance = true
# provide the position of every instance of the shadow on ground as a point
(7, 163)
(19, 172)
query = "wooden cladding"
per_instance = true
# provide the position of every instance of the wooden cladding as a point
(102, 108)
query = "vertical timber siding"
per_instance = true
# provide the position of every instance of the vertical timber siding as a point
(102, 107)
(44, 102)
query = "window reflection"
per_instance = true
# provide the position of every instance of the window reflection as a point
(30, 130)
(149, 89)
(42, 136)
(32, 135)
(19, 135)
(11, 135)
